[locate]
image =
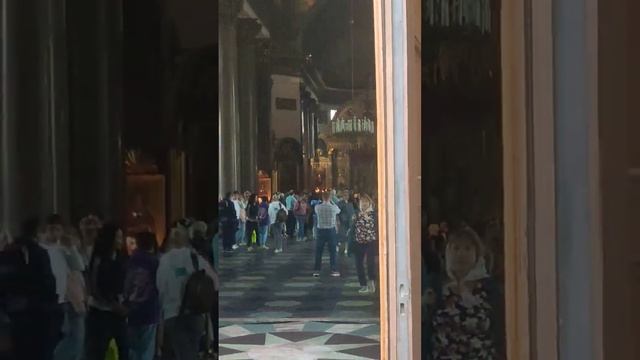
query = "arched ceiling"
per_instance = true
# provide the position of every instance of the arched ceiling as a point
(327, 36)
(322, 29)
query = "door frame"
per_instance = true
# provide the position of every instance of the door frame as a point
(398, 99)
(529, 160)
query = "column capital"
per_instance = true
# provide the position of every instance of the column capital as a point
(248, 29)
(229, 9)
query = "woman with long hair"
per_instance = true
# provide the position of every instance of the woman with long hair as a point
(366, 245)
(142, 299)
(251, 226)
(107, 317)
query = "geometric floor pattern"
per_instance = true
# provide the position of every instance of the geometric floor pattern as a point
(300, 341)
(271, 307)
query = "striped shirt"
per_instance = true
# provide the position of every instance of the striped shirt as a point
(326, 213)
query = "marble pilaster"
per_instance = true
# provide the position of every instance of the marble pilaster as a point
(248, 29)
(229, 171)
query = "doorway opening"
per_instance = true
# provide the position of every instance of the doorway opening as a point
(298, 180)
(462, 102)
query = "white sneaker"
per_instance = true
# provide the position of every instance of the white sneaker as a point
(234, 246)
(335, 274)
(372, 286)
(316, 274)
(277, 251)
(265, 247)
(364, 290)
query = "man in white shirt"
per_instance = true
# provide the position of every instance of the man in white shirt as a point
(326, 213)
(174, 270)
(65, 258)
(235, 198)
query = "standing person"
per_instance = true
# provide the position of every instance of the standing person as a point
(71, 346)
(291, 219)
(6, 271)
(182, 328)
(326, 213)
(277, 231)
(89, 227)
(252, 210)
(347, 212)
(242, 217)
(29, 287)
(215, 235)
(235, 198)
(263, 222)
(142, 299)
(366, 245)
(107, 317)
(67, 265)
(274, 207)
(444, 230)
(431, 243)
(314, 217)
(228, 222)
(200, 242)
(300, 211)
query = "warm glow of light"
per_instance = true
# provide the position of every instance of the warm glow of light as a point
(332, 113)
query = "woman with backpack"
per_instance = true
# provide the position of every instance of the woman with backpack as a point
(186, 284)
(366, 244)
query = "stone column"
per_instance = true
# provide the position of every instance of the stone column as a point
(31, 107)
(229, 172)
(95, 114)
(248, 29)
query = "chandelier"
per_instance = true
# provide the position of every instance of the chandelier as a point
(354, 125)
(452, 13)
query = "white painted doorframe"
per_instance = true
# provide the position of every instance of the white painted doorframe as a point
(397, 44)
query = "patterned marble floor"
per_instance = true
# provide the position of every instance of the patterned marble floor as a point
(271, 305)
(300, 340)
(265, 286)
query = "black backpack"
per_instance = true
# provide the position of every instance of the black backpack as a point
(199, 293)
(281, 215)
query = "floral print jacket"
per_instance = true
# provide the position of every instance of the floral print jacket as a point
(366, 227)
(467, 327)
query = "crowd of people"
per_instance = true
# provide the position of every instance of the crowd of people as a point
(343, 222)
(462, 303)
(78, 293)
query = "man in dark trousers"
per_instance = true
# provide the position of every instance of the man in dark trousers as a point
(228, 223)
(29, 287)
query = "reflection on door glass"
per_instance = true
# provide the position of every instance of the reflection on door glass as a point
(462, 245)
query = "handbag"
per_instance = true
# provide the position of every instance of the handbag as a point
(112, 351)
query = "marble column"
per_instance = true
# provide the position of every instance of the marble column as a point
(229, 171)
(264, 84)
(248, 29)
(32, 112)
(95, 114)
